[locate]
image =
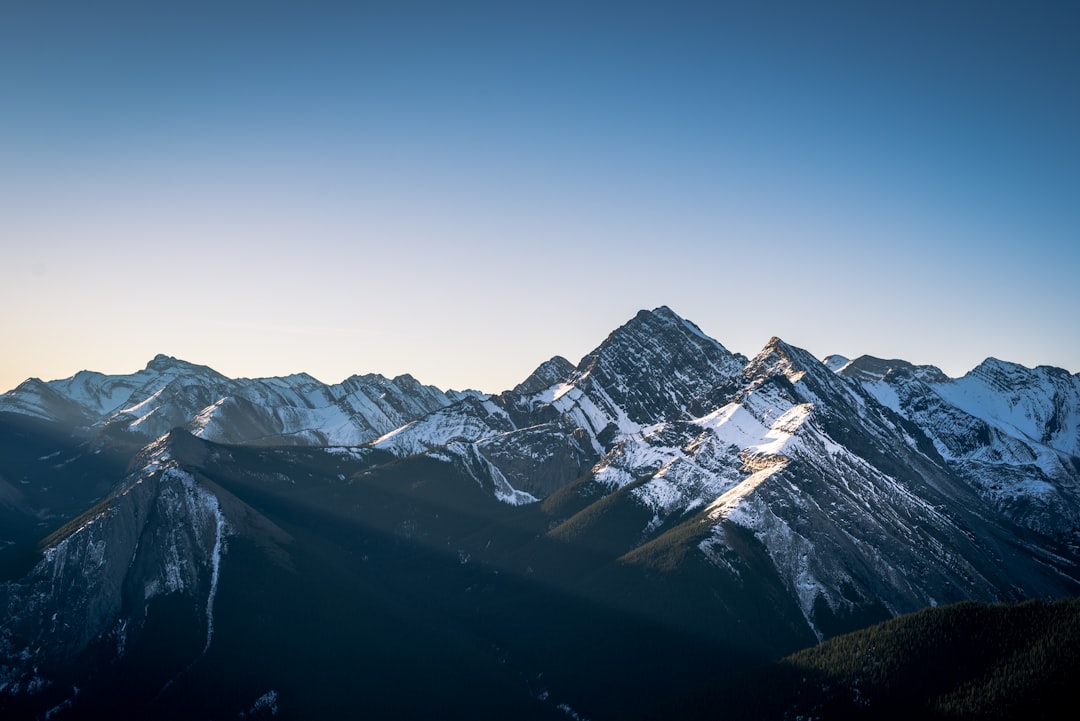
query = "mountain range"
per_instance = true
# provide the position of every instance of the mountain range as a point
(592, 543)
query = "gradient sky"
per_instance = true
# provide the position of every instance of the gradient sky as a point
(460, 190)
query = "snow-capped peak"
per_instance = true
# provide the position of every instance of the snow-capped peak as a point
(835, 362)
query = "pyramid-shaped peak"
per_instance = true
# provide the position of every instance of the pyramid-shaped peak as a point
(655, 365)
(661, 323)
(777, 345)
(554, 370)
(780, 357)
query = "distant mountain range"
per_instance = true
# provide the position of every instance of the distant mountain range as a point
(594, 542)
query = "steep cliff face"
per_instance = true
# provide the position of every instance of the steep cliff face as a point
(653, 368)
(161, 532)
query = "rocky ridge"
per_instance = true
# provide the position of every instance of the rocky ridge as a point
(811, 496)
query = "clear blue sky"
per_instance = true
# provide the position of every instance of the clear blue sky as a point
(460, 190)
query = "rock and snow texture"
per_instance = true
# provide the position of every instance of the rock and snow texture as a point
(851, 514)
(655, 368)
(162, 532)
(1013, 433)
(169, 393)
(866, 483)
(840, 532)
(840, 470)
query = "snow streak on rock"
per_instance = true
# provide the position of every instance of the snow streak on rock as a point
(160, 533)
(169, 393)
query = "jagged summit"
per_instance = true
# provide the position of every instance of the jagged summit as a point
(1002, 374)
(169, 392)
(780, 357)
(162, 363)
(659, 321)
(554, 370)
(667, 315)
(870, 368)
(161, 360)
(655, 366)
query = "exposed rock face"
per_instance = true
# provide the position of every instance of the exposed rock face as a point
(162, 532)
(549, 373)
(852, 514)
(869, 368)
(1010, 432)
(865, 481)
(170, 393)
(654, 368)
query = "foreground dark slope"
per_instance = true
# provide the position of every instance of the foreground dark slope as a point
(48, 475)
(362, 583)
(967, 661)
(557, 623)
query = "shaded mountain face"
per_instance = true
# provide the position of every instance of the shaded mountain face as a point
(663, 493)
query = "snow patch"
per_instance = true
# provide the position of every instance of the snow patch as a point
(735, 425)
(267, 703)
(727, 506)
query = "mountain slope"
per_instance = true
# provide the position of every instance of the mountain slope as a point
(855, 520)
(663, 493)
(1008, 431)
(964, 661)
(367, 568)
(171, 393)
(655, 368)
